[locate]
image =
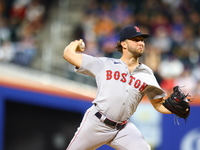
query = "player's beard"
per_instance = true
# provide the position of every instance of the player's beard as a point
(136, 54)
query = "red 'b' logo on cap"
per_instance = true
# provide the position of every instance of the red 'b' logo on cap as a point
(137, 29)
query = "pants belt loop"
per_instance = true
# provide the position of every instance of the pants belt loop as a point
(103, 118)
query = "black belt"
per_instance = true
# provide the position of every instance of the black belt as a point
(109, 122)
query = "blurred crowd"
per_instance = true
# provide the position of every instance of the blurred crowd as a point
(20, 21)
(172, 50)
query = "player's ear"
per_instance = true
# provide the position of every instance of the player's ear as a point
(123, 44)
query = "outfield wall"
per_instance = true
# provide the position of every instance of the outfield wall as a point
(31, 112)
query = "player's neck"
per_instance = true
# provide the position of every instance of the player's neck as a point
(132, 63)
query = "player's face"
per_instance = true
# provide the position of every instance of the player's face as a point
(136, 46)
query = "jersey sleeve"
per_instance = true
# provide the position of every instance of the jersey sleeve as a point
(90, 65)
(153, 90)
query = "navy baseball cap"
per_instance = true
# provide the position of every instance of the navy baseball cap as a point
(130, 32)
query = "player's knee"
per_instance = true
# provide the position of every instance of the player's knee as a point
(140, 146)
(148, 147)
(145, 146)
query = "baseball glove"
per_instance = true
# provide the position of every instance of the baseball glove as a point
(178, 103)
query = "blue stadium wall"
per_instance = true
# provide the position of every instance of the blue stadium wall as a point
(182, 136)
(12, 97)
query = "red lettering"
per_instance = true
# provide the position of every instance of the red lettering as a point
(108, 74)
(137, 83)
(131, 80)
(116, 75)
(137, 29)
(144, 85)
(123, 77)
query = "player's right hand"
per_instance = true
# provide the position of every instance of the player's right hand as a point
(81, 46)
(71, 53)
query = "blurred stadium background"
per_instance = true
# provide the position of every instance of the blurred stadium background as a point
(42, 100)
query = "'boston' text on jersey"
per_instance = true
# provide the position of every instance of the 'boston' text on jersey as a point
(138, 84)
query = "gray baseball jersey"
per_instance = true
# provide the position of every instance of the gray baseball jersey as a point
(119, 91)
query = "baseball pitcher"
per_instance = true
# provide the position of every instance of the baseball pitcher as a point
(121, 83)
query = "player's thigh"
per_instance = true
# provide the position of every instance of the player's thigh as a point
(89, 139)
(92, 133)
(129, 138)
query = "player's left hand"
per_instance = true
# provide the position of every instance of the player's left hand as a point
(178, 103)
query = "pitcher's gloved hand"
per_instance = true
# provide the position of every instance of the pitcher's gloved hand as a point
(178, 103)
